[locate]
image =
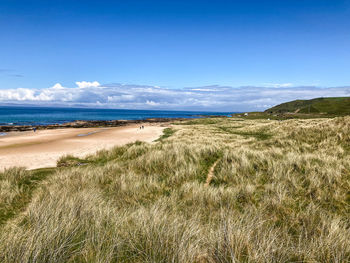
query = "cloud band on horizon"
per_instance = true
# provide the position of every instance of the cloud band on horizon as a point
(208, 98)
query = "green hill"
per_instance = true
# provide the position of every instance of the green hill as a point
(332, 106)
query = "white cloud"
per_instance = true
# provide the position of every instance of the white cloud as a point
(21, 94)
(87, 84)
(210, 98)
(57, 86)
(278, 85)
(151, 103)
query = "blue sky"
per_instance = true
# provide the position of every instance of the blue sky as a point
(175, 45)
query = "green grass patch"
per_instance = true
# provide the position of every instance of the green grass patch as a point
(200, 121)
(259, 135)
(166, 134)
(23, 183)
(70, 161)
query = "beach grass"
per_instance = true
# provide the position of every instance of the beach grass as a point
(279, 192)
(167, 132)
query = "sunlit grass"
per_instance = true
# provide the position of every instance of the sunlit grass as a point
(280, 193)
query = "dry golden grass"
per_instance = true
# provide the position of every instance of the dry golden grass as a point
(280, 192)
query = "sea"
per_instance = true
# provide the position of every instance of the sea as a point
(14, 115)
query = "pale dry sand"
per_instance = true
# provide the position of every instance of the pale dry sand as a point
(44, 147)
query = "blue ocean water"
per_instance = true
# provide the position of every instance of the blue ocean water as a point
(43, 116)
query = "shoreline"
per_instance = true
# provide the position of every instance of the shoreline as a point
(97, 123)
(86, 124)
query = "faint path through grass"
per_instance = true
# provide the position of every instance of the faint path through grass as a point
(211, 173)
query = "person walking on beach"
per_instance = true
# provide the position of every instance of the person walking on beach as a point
(34, 129)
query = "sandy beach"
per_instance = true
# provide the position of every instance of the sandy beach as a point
(44, 147)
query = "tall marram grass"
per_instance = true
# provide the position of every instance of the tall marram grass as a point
(280, 193)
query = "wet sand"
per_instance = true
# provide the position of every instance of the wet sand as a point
(44, 147)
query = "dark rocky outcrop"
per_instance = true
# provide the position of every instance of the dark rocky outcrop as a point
(84, 124)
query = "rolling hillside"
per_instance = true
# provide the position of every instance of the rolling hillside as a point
(331, 106)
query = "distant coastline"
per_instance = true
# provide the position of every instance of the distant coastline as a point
(91, 124)
(11, 117)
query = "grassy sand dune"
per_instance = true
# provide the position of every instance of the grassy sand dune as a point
(278, 192)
